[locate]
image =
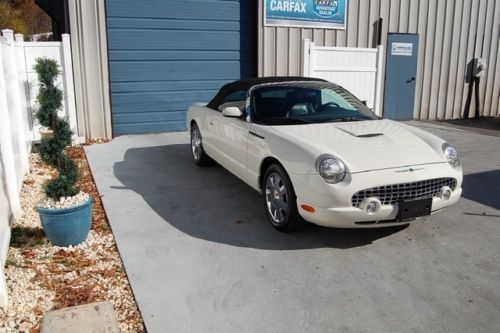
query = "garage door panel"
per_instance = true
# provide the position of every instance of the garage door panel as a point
(120, 55)
(145, 127)
(155, 106)
(127, 39)
(202, 9)
(164, 86)
(162, 24)
(141, 98)
(187, 70)
(166, 107)
(160, 116)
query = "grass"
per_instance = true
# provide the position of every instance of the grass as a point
(11, 261)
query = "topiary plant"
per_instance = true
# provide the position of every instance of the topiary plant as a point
(52, 149)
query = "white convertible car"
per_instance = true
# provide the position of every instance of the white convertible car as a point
(318, 154)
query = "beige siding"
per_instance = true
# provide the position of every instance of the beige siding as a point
(90, 66)
(452, 33)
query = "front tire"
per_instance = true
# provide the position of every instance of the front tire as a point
(280, 200)
(197, 152)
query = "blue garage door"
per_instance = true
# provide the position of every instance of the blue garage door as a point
(165, 55)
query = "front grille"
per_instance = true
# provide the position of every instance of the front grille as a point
(392, 194)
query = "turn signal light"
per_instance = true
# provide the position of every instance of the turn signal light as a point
(308, 208)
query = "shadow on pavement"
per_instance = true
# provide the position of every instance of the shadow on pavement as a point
(211, 204)
(484, 125)
(483, 188)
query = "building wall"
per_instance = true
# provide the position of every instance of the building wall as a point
(90, 65)
(451, 32)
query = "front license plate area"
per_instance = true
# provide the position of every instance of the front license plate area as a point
(414, 208)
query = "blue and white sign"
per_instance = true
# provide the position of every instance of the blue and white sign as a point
(306, 13)
(402, 49)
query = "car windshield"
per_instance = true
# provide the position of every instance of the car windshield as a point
(295, 104)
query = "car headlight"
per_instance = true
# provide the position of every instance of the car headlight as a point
(330, 168)
(451, 155)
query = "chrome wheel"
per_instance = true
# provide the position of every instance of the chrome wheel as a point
(196, 146)
(276, 198)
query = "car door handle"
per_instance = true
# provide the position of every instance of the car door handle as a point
(211, 122)
(411, 79)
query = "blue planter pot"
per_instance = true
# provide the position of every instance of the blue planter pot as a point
(68, 226)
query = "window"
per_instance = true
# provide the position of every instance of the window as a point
(331, 97)
(236, 98)
(306, 104)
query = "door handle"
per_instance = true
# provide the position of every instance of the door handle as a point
(211, 122)
(413, 78)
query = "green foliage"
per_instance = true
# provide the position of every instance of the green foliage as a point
(47, 70)
(52, 150)
(64, 186)
(52, 147)
(10, 18)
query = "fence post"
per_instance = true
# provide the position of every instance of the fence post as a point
(307, 49)
(6, 154)
(15, 99)
(22, 75)
(377, 106)
(69, 88)
(6, 148)
(4, 297)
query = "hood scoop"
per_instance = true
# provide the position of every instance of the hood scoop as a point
(369, 135)
(361, 133)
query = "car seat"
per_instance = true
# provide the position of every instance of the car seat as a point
(300, 109)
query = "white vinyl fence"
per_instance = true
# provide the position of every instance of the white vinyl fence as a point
(18, 90)
(359, 70)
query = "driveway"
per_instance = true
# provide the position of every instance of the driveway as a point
(201, 256)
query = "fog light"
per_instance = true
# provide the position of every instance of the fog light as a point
(371, 205)
(445, 193)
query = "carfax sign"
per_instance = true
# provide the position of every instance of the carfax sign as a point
(306, 13)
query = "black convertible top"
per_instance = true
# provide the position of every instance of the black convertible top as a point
(246, 84)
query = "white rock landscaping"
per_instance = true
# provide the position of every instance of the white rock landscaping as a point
(42, 277)
(65, 202)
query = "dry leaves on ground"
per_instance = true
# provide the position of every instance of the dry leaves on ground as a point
(43, 277)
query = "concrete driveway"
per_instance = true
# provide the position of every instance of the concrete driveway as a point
(201, 256)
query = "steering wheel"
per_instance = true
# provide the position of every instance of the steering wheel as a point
(325, 106)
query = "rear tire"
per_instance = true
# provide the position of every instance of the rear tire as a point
(280, 200)
(200, 158)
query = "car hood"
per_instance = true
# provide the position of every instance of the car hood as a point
(365, 145)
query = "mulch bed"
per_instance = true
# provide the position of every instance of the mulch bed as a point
(42, 277)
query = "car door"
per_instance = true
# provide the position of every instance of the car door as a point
(229, 135)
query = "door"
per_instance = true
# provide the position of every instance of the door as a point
(232, 140)
(166, 55)
(228, 136)
(400, 76)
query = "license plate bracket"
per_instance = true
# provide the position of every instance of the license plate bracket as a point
(411, 209)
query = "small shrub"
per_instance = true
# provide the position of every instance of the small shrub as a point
(52, 149)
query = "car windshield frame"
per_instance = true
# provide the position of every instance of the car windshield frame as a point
(348, 107)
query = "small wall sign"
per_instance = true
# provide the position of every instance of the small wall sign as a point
(402, 49)
(330, 14)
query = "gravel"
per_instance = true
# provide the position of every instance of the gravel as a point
(42, 277)
(65, 202)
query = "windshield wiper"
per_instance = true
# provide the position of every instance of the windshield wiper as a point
(295, 120)
(345, 119)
